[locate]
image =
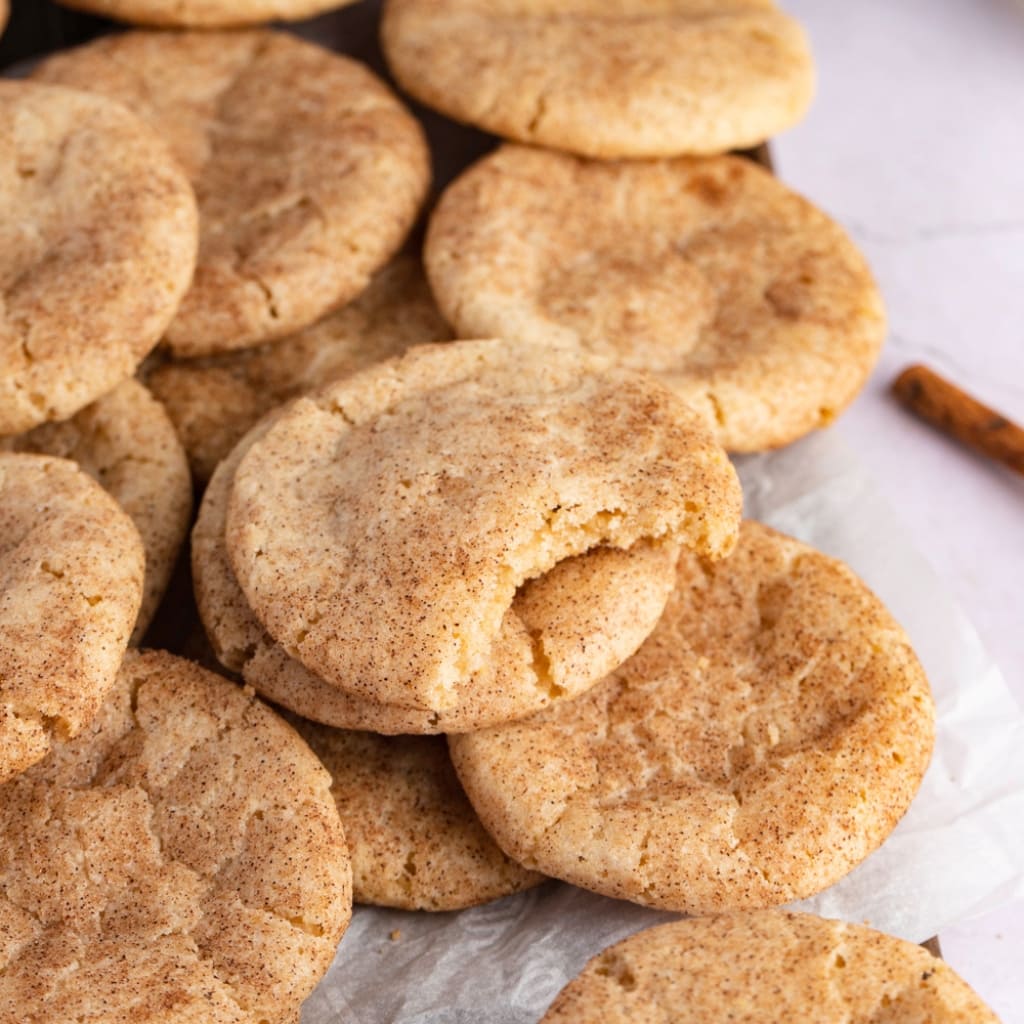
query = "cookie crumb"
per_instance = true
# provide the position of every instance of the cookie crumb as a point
(396, 935)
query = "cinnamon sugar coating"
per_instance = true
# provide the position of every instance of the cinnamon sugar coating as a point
(381, 528)
(71, 566)
(126, 443)
(182, 857)
(307, 169)
(763, 741)
(767, 966)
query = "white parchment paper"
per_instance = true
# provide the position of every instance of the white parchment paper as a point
(958, 852)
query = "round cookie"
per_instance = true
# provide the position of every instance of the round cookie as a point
(767, 966)
(183, 859)
(749, 302)
(308, 170)
(406, 505)
(71, 566)
(98, 237)
(585, 617)
(125, 442)
(762, 742)
(604, 78)
(416, 842)
(205, 13)
(214, 401)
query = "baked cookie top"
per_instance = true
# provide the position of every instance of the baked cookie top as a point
(739, 294)
(205, 13)
(580, 620)
(126, 443)
(98, 235)
(308, 170)
(184, 853)
(214, 401)
(606, 78)
(416, 842)
(71, 566)
(761, 743)
(381, 529)
(767, 966)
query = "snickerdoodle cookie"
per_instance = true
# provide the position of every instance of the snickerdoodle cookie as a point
(214, 401)
(98, 234)
(581, 620)
(126, 442)
(761, 743)
(416, 842)
(381, 528)
(767, 966)
(606, 78)
(71, 566)
(205, 13)
(739, 294)
(308, 170)
(182, 859)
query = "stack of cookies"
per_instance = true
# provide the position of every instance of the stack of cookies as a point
(499, 591)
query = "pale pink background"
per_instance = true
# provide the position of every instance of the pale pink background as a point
(916, 143)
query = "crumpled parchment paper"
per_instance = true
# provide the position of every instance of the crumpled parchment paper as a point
(958, 852)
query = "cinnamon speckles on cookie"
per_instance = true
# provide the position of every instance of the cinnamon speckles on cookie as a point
(406, 505)
(71, 566)
(126, 443)
(736, 292)
(307, 169)
(766, 966)
(562, 632)
(184, 853)
(98, 234)
(606, 78)
(215, 400)
(761, 743)
(416, 842)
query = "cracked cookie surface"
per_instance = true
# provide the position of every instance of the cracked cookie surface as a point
(71, 566)
(416, 842)
(213, 401)
(307, 169)
(126, 443)
(381, 528)
(762, 742)
(579, 621)
(205, 13)
(183, 854)
(606, 78)
(98, 234)
(767, 966)
(737, 293)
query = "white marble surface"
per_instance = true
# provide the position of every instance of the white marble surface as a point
(916, 143)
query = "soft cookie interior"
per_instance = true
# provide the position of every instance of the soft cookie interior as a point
(407, 505)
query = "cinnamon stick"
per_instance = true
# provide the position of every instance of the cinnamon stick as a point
(954, 412)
